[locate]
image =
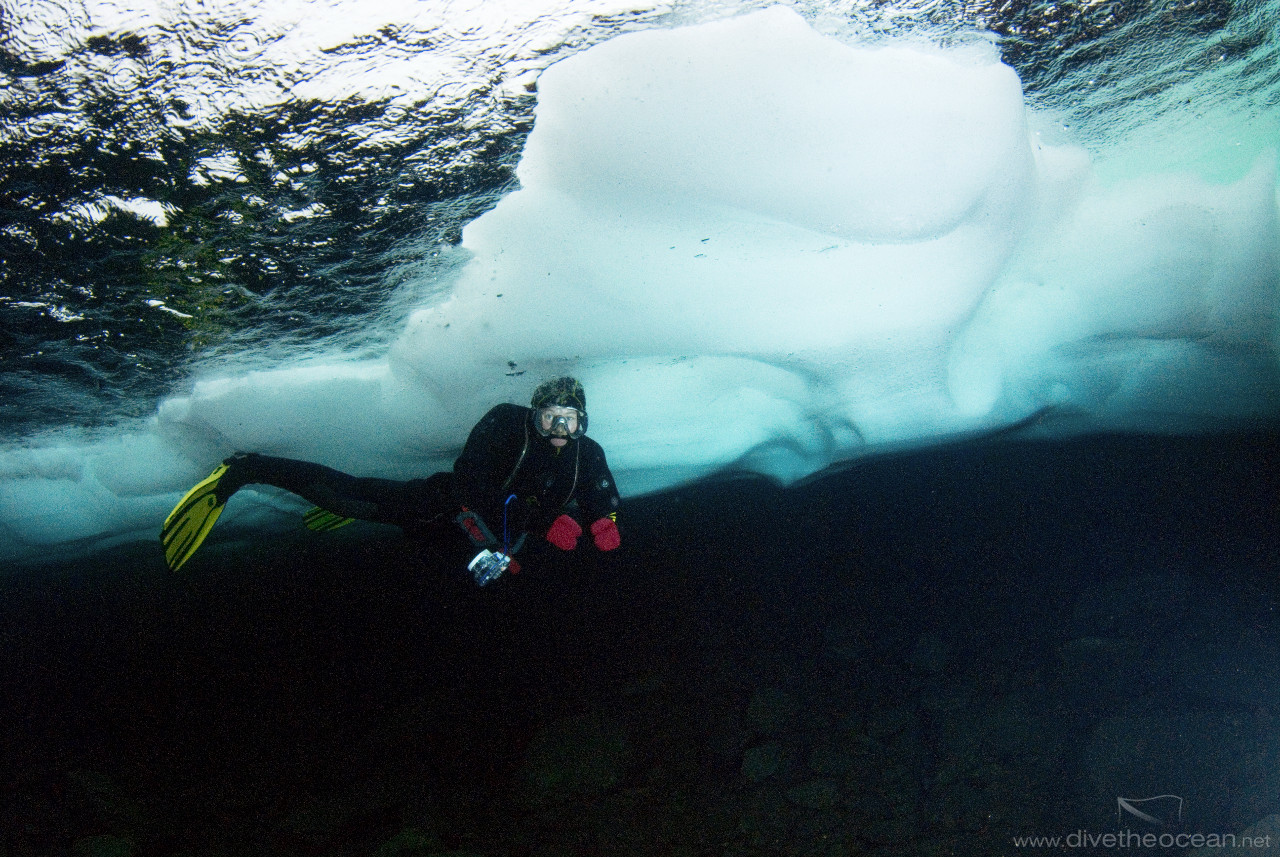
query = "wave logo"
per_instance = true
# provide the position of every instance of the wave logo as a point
(1159, 810)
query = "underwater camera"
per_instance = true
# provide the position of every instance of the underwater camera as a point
(488, 566)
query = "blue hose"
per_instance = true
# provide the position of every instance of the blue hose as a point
(506, 538)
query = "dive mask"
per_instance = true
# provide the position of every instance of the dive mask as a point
(558, 421)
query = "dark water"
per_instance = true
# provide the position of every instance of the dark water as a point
(924, 654)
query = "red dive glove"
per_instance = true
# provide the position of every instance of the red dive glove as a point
(605, 533)
(564, 533)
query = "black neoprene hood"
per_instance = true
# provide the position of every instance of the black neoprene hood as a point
(565, 392)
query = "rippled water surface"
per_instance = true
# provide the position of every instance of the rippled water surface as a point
(189, 179)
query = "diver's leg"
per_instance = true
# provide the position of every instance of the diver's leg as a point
(428, 501)
(384, 500)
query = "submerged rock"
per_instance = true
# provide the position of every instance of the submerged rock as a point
(818, 794)
(103, 846)
(770, 710)
(412, 842)
(931, 654)
(762, 762)
(1137, 756)
(575, 757)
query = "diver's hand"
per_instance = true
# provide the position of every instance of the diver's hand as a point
(564, 533)
(606, 535)
(473, 525)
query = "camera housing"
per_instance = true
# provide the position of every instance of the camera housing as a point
(488, 566)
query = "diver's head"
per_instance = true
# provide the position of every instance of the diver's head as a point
(560, 410)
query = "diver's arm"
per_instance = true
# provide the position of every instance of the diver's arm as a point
(598, 495)
(599, 501)
(488, 459)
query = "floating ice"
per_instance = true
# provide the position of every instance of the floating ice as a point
(758, 248)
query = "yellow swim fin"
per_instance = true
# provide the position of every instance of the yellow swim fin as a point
(190, 521)
(322, 520)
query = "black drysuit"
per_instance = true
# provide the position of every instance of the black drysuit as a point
(504, 456)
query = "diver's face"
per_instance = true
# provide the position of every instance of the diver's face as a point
(557, 423)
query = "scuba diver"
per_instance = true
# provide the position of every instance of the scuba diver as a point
(523, 470)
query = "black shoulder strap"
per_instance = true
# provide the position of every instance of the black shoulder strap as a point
(577, 460)
(511, 479)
